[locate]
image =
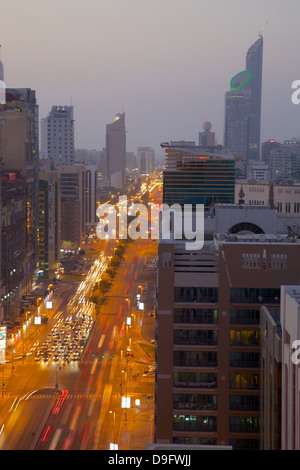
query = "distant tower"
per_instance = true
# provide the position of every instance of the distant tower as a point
(206, 138)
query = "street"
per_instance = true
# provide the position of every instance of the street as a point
(77, 404)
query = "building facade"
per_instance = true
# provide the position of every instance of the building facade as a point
(49, 230)
(193, 175)
(116, 151)
(57, 132)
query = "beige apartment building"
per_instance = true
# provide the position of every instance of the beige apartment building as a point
(208, 384)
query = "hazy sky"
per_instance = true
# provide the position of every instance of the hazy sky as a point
(167, 63)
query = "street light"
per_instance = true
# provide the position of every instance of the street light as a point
(113, 443)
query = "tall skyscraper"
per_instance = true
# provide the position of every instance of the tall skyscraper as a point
(194, 175)
(237, 110)
(57, 132)
(116, 151)
(254, 60)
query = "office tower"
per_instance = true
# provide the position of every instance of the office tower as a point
(284, 162)
(17, 155)
(207, 137)
(49, 232)
(254, 60)
(116, 151)
(193, 175)
(236, 135)
(145, 160)
(73, 205)
(13, 241)
(208, 383)
(57, 132)
(289, 318)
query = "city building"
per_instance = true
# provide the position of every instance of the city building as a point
(91, 187)
(207, 137)
(290, 409)
(208, 383)
(194, 175)
(116, 151)
(17, 145)
(49, 230)
(257, 170)
(266, 148)
(57, 135)
(271, 370)
(73, 191)
(284, 162)
(236, 129)
(16, 280)
(145, 160)
(254, 62)
(243, 107)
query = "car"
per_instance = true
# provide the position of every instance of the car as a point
(129, 352)
(38, 358)
(56, 357)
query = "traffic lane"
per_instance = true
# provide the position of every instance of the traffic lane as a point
(24, 421)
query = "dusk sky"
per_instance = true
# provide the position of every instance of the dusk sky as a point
(167, 63)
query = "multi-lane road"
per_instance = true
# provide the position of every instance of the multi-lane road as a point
(69, 396)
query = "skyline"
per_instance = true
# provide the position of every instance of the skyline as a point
(158, 61)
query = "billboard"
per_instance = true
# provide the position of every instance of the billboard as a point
(2, 344)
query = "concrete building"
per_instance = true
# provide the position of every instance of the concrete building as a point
(16, 279)
(57, 135)
(116, 151)
(284, 162)
(207, 137)
(194, 175)
(289, 318)
(254, 63)
(17, 144)
(236, 130)
(208, 383)
(145, 160)
(73, 204)
(91, 185)
(49, 230)
(271, 369)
